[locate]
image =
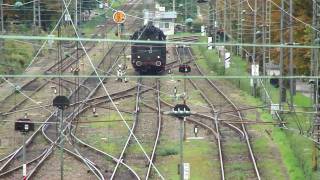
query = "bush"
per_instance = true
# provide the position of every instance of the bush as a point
(168, 151)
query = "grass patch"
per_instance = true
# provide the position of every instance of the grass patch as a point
(168, 152)
(195, 98)
(102, 134)
(88, 28)
(199, 153)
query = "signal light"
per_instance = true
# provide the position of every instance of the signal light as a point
(61, 102)
(274, 82)
(24, 125)
(184, 68)
(181, 110)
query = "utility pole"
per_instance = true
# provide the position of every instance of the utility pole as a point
(292, 88)
(212, 20)
(217, 21)
(39, 14)
(61, 146)
(24, 166)
(213, 5)
(264, 26)
(174, 5)
(185, 11)
(76, 13)
(224, 20)
(239, 25)
(1, 12)
(34, 15)
(315, 73)
(254, 47)
(182, 120)
(281, 86)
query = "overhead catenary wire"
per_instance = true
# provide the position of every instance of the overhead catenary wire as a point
(295, 46)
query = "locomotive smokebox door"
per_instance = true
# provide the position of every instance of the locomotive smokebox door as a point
(184, 68)
(24, 125)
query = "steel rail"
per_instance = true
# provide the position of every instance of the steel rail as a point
(29, 140)
(90, 165)
(194, 121)
(251, 154)
(216, 125)
(94, 170)
(27, 163)
(156, 142)
(106, 154)
(133, 127)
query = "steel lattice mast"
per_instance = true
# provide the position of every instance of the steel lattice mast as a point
(315, 72)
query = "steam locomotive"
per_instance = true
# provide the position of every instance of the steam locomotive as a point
(148, 57)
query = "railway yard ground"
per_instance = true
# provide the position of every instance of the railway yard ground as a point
(121, 124)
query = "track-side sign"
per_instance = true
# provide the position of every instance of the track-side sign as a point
(227, 59)
(274, 108)
(254, 72)
(186, 171)
(119, 17)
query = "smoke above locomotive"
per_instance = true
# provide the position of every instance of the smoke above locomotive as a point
(148, 57)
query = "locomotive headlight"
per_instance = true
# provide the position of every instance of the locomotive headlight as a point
(138, 57)
(158, 57)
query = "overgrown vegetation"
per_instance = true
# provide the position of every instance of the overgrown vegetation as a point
(22, 16)
(14, 56)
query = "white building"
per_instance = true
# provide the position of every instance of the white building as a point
(272, 69)
(163, 20)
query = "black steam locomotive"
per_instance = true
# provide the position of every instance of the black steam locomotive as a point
(148, 57)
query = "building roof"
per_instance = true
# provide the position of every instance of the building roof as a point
(166, 15)
(160, 15)
(272, 66)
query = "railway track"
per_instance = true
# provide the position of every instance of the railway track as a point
(84, 92)
(72, 113)
(32, 87)
(13, 155)
(148, 137)
(227, 137)
(36, 84)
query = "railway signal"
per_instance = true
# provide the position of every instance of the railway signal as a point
(61, 102)
(181, 111)
(274, 82)
(184, 68)
(24, 126)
